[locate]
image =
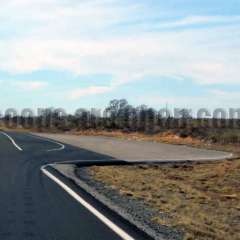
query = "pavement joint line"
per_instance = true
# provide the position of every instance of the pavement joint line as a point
(12, 140)
(62, 146)
(94, 211)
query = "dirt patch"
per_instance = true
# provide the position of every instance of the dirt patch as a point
(203, 200)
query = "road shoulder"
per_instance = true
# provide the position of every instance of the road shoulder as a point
(132, 150)
(133, 211)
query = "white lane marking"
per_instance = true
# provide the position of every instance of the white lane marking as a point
(48, 140)
(93, 210)
(12, 140)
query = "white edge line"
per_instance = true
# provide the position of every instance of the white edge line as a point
(93, 210)
(62, 146)
(12, 140)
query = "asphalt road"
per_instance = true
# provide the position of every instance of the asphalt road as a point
(132, 150)
(33, 206)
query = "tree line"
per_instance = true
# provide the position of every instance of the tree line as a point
(118, 115)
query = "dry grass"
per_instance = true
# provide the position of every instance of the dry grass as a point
(166, 137)
(201, 199)
(18, 129)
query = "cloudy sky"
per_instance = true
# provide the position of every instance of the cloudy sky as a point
(83, 53)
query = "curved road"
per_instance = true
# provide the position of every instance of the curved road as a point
(132, 150)
(33, 206)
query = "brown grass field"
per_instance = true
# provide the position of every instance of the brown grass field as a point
(203, 200)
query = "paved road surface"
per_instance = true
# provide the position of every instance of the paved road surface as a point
(133, 150)
(32, 206)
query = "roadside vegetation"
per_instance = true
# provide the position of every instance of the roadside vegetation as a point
(202, 200)
(121, 118)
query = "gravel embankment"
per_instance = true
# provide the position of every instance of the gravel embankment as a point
(134, 211)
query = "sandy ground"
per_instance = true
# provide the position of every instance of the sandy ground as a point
(137, 150)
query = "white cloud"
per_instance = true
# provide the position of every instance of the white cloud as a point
(214, 98)
(29, 85)
(197, 20)
(77, 36)
(204, 56)
(226, 95)
(93, 90)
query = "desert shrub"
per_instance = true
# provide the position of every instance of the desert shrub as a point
(224, 136)
(183, 133)
(230, 137)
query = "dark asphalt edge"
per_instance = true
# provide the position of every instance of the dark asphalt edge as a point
(118, 162)
(117, 219)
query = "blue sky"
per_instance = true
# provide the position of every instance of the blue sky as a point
(83, 53)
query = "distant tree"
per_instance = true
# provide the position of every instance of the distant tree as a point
(185, 119)
(116, 110)
(185, 113)
(142, 117)
(151, 120)
(83, 119)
